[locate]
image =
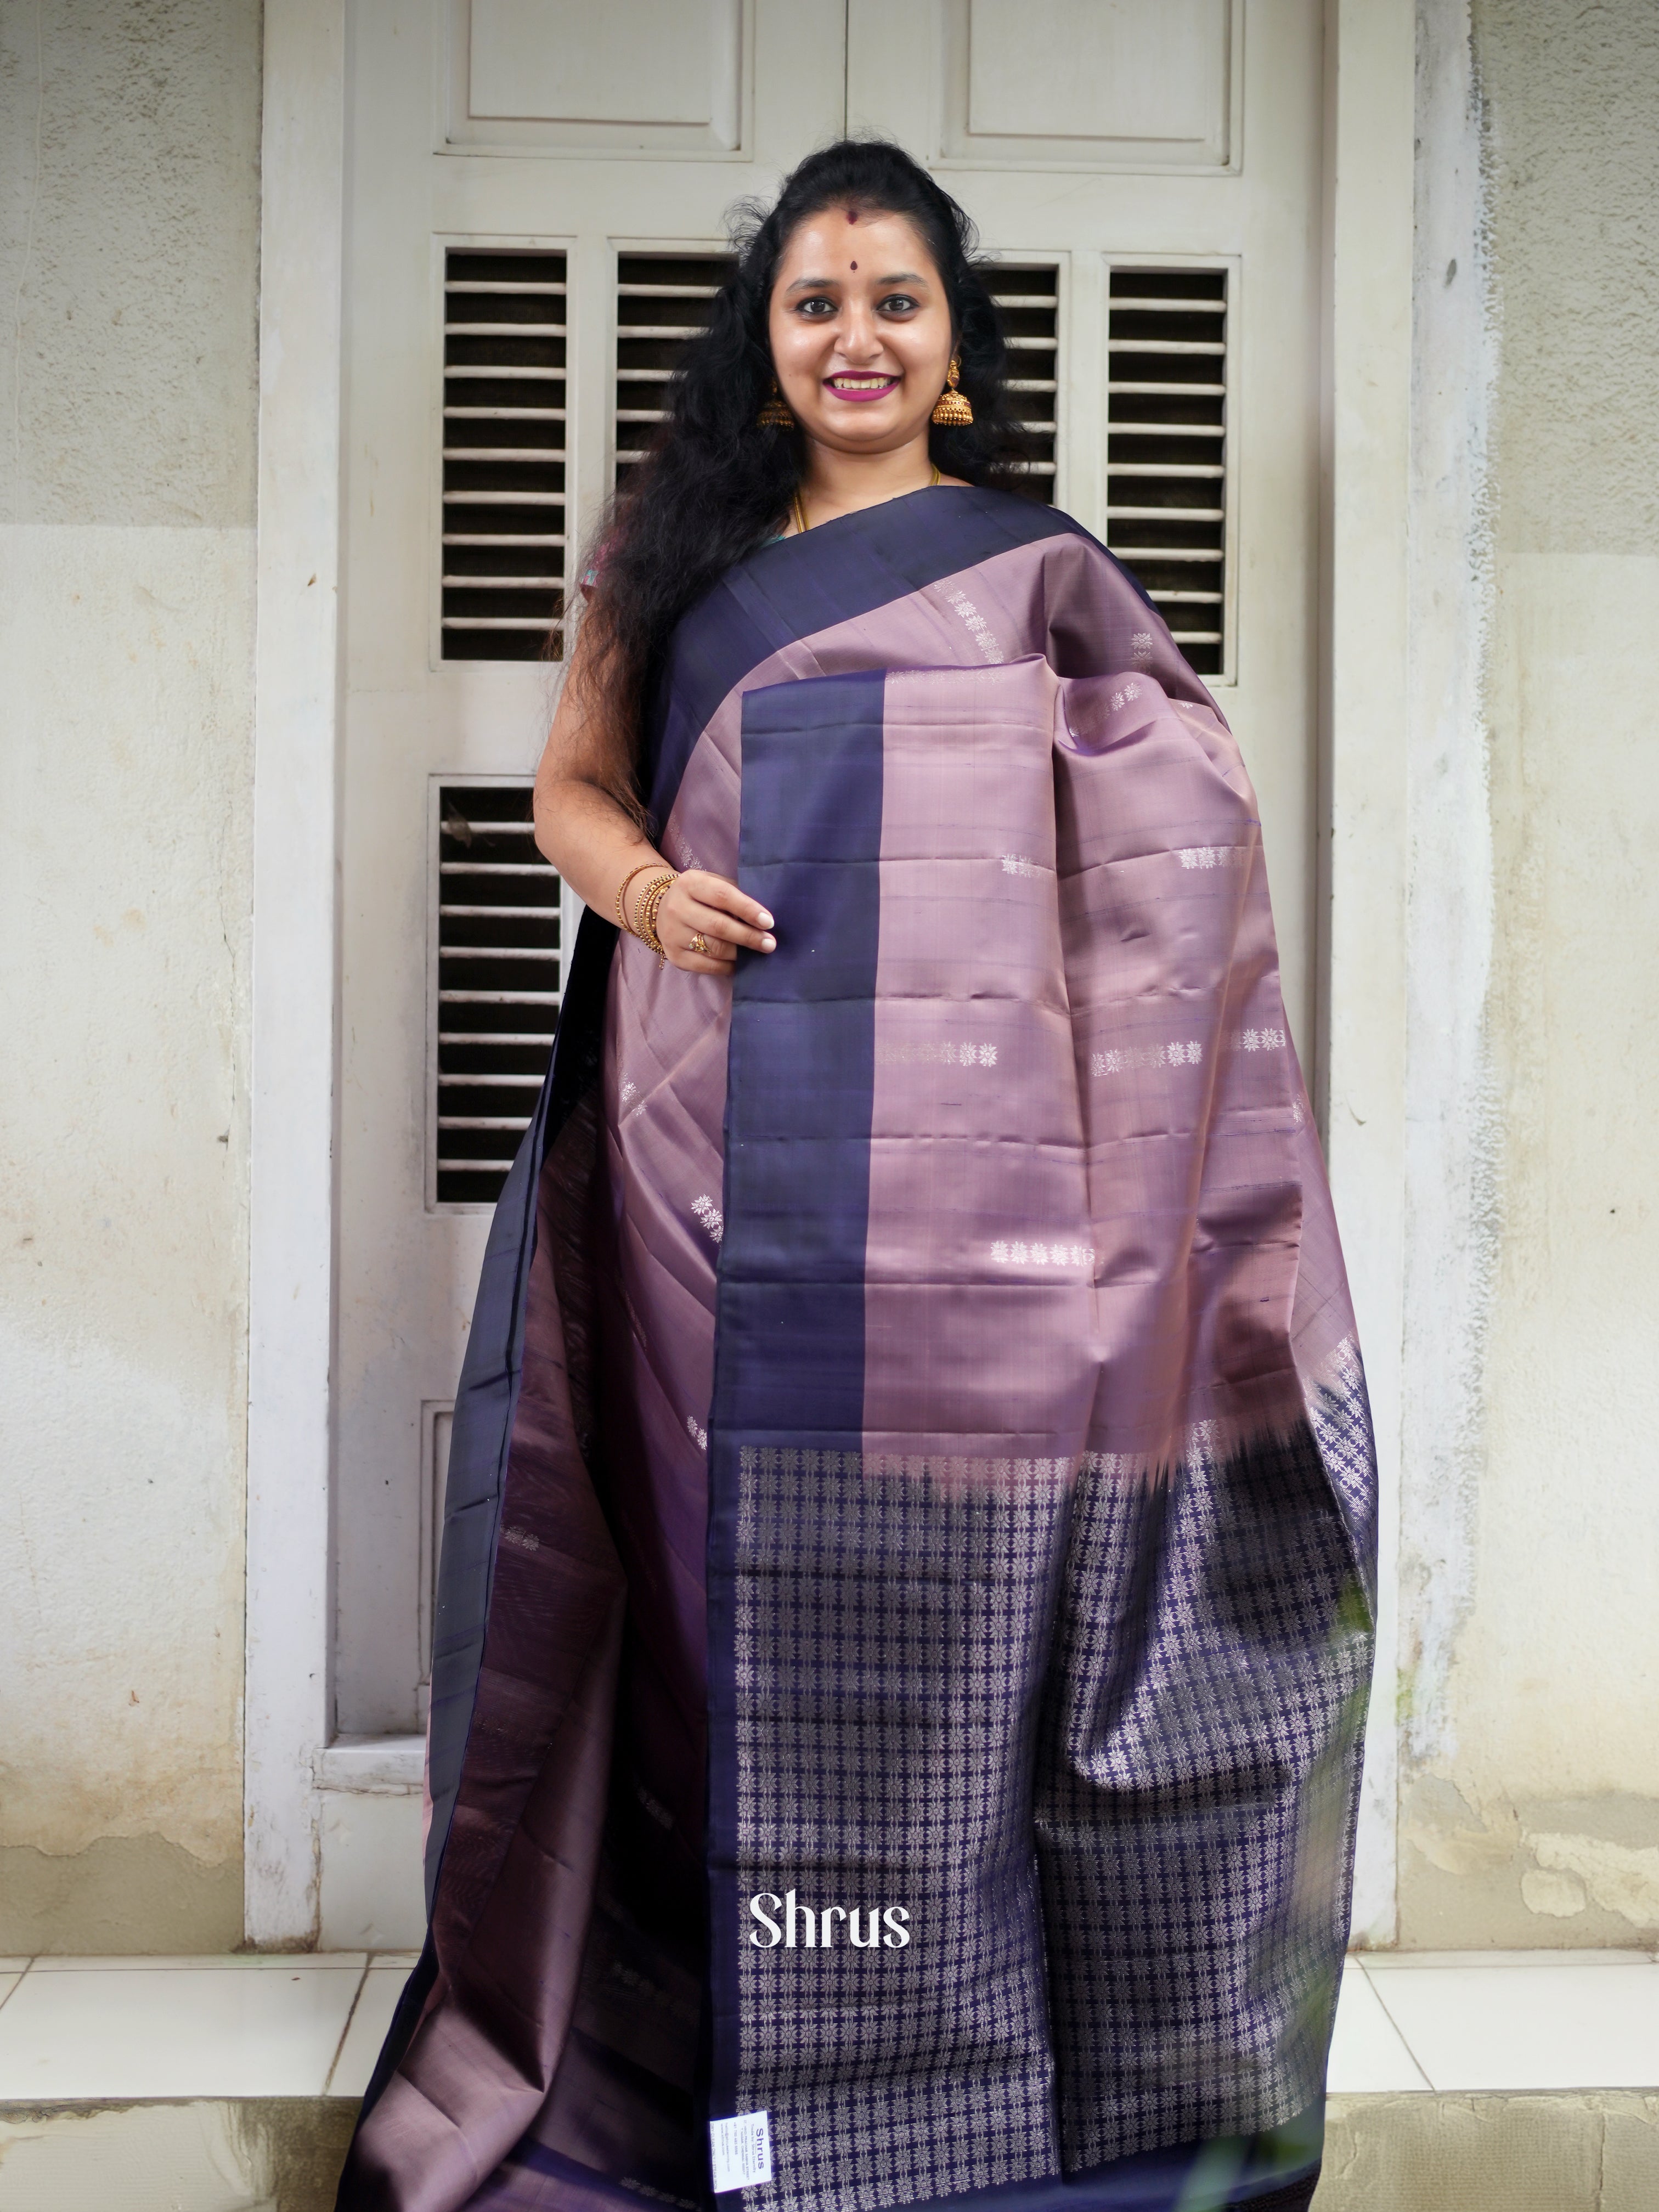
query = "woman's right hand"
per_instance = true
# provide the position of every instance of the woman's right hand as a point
(700, 904)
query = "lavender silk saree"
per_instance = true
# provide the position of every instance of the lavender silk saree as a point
(904, 1614)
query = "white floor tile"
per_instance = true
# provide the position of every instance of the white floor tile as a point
(271, 2025)
(1524, 2027)
(211, 1962)
(370, 2019)
(1368, 2053)
(177, 2031)
(1397, 1962)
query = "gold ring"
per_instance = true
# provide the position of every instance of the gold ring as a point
(700, 943)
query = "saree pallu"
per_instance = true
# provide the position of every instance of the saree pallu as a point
(904, 1614)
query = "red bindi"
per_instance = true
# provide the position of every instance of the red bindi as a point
(852, 215)
(855, 264)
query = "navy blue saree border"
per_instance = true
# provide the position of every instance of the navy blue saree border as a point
(797, 587)
(789, 1299)
(486, 1397)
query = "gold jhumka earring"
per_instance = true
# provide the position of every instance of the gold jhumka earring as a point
(952, 409)
(775, 415)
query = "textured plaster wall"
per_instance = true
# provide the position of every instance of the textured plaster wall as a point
(129, 224)
(1530, 1774)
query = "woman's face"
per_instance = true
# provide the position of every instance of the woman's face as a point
(860, 330)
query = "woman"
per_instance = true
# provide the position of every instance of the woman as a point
(904, 1629)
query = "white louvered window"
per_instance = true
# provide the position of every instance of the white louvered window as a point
(499, 916)
(1030, 300)
(503, 454)
(1166, 458)
(662, 300)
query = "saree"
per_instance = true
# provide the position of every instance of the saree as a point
(905, 1604)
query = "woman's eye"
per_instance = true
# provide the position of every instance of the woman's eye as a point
(899, 303)
(817, 308)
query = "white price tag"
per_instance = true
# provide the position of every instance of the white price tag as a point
(740, 2151)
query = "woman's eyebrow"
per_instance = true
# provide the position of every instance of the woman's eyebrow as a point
(829, 283)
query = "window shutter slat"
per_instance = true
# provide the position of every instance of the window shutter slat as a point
(1029, 298)
(503, 455)
(1166, 460)
(499, 979)
(662, 300)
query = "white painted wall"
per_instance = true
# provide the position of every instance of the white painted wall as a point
(1530, 1513)
(129, 205)
(1494, 1043)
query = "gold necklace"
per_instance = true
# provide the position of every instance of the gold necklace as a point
(798, 507)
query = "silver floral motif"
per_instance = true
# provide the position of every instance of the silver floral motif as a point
(1118, 1059)
(969, 1053)
(710, 1216)
(1005, 1254)
(978, 629)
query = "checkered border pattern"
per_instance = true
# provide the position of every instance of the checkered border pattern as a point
(1165, 1683)
(890, 1631)
(1196, 1785)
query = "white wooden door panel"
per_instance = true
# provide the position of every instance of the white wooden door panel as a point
(1090, 139)
(672, 71)
(1094, 85)
(1098, 82)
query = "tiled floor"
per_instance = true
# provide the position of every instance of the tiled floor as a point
(87, 2030)
(1495, 2020)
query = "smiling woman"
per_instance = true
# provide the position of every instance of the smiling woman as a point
(912, 1467)
(865, 361)
(861, 355)
(819, 388)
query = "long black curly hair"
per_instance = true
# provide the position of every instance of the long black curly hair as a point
(715, 485)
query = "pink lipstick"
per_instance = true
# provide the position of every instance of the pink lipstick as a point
(874, 387)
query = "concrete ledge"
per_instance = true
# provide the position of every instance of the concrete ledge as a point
(245, 2154)
(1564, 2151)
(1588, 2152)
(393, 1764)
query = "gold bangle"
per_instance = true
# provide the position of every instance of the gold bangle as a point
(653, 898)
(622, 922)
(650, 899)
